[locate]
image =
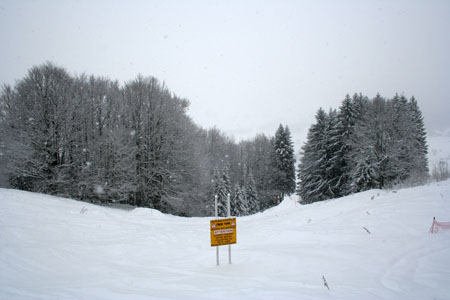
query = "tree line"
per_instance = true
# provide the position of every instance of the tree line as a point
(92, 139)
(366, 144)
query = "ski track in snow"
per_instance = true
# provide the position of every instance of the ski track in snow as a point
(51, 249)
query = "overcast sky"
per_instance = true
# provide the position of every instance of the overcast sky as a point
(245, 66)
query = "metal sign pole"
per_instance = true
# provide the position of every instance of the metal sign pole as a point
(215, 205)
(217, 247)
(229, 214)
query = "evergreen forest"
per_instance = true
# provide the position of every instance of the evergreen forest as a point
(366, 144)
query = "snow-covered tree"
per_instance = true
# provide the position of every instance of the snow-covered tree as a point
(368, 147)
(222, 188)
(341, 139)
(39, 121)
(284, 162)
(252, 194)
(384, 150)
(333, 163)
(239, 202)
(368, 144)
(312, 167)
(257, 156)
(419, 141)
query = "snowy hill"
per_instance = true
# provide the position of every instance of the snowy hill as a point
(54, 248)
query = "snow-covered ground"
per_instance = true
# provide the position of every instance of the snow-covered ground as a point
(52, 248)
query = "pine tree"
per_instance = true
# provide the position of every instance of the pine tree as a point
(312, 167)
(217, 186)
(360, 105)
(284, 162)
(333, 167)
(368, 147)
(223, 190)
(341, 139)
(419, 140)
(260, 162)
(235, 199)
(239, 203)
(252, 194)
(398, 145)
(368, 144)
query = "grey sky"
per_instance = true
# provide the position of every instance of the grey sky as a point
(246, 66)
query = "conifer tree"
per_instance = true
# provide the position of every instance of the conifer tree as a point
(311, 170)
(341, 139)
(360, 106)
(252, 194)
(235, 199)
(239, 204)
(224, 190)
(419, 140)
(368, 147)
(368, 144)
(332, 164)
(217, 186)
(398, 146)
(284, 162)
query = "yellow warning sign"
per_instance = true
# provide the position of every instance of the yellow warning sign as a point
(223, 232)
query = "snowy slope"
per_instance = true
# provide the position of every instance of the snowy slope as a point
(50, 249)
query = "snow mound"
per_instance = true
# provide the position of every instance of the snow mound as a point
(371, 245)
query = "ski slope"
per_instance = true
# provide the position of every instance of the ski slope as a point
(52, 248)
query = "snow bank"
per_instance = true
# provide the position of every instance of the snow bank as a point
(54, 248)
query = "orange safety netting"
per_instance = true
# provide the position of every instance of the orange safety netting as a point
(438, 225)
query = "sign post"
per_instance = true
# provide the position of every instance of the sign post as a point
(228, 215)
(217, 248)
(223, 231)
